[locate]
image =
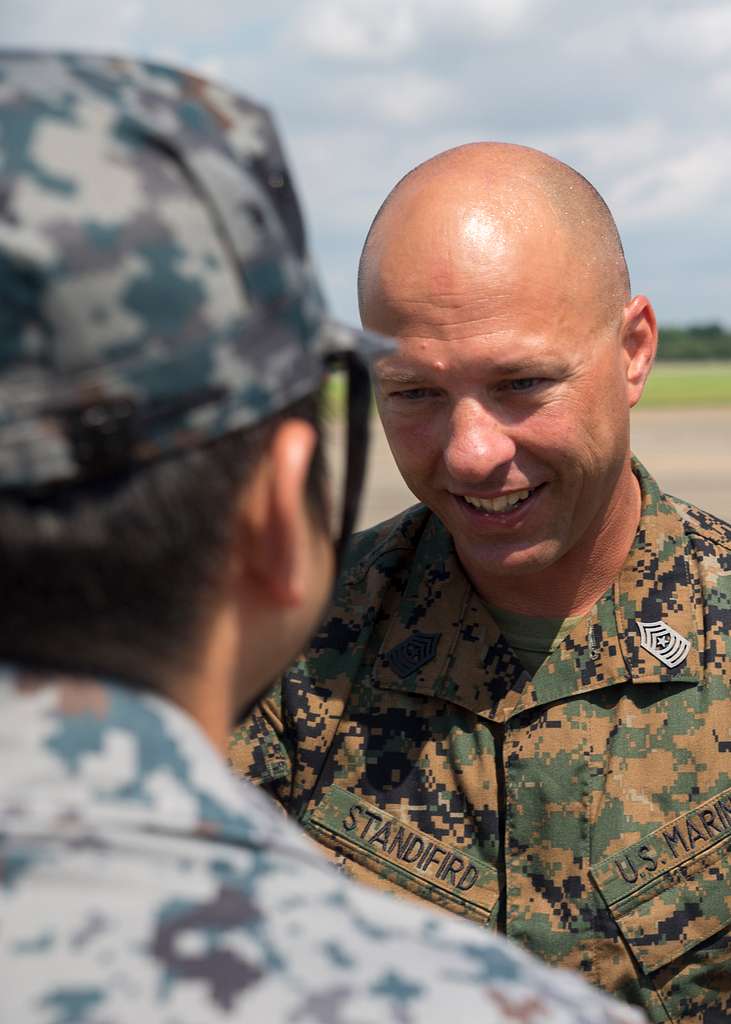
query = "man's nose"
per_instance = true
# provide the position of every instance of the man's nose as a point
(477, 444)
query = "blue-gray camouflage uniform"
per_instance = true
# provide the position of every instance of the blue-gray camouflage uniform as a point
(141, 882)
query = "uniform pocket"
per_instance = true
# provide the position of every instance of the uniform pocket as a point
(670, 897)
(400, 854)
(672, 889)
(683, 907)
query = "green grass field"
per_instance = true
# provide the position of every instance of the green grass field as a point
(686, 384)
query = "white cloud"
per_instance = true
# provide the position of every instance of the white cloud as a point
(74, 24)
(347, 29)
(680, 185)
(380, 31)
(497, 18)
(395, 97)
(719, 87)
(698, 33)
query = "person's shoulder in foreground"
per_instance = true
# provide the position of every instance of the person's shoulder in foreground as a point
(140, 878)
(164, 553)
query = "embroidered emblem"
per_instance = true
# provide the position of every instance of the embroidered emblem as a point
(413, 653)
(663, 642)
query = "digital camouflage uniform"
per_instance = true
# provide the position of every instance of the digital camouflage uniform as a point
(141, 882)
(155, 295)
(585, 811)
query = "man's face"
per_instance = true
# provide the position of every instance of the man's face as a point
(506, 405)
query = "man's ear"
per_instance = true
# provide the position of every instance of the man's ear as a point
(639, 341)
(275, 528)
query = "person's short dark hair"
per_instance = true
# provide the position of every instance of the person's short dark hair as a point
(120, 578)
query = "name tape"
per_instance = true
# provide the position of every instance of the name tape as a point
(385, 837)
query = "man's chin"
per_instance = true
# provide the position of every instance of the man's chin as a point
(509, 563)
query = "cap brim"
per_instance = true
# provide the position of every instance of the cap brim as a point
(337, 339)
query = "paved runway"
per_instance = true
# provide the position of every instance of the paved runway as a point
(688, 451)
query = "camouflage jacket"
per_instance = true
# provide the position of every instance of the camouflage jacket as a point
(140, 882)
(585, 811)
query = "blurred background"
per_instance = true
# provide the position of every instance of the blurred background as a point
(637, 97)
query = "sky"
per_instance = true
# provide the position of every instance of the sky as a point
(636, 96)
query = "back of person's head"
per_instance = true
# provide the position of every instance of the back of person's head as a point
(159, 317)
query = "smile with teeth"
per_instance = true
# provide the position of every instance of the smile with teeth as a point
(502, 503)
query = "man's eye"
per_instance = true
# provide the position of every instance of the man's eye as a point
(412, 394)
(522, 383)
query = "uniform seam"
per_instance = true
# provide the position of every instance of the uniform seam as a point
(587, 839)
(711, 535)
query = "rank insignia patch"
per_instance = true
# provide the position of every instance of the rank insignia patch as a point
(663, 643)
(413, 653)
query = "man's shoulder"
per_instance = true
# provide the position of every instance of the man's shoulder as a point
(708, 539)
(709, 529)
(380, 560)
(401, 533)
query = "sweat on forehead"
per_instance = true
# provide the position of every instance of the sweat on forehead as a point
(487, 201)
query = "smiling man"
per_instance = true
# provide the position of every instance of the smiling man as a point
(518, 708)
(506, 405)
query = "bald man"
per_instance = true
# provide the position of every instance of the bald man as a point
(519, 707)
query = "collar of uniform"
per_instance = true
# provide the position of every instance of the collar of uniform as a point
(659, 583)
(459, 654)
(656, 584)
(588, 658)
(444, 643)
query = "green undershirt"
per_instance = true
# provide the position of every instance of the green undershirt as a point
(532, 638)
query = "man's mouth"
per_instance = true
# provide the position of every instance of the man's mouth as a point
(500, 504)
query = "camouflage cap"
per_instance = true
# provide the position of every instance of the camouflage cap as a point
(155, 291)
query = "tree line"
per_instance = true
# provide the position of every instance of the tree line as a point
(701, 341)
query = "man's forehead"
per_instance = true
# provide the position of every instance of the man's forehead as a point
(417, 360)
(514, 287)
(446, 258)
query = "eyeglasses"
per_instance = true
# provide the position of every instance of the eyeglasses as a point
(345, 419)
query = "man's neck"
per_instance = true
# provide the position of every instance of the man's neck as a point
(573, 584)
